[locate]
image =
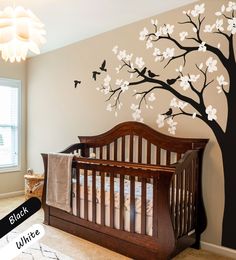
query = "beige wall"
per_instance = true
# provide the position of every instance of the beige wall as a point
(58, 112)
(14, 181)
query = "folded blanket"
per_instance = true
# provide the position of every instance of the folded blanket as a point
(59, 181)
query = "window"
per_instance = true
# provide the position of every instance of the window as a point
(9, 124)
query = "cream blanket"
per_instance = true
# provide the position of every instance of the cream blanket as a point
(58, 192)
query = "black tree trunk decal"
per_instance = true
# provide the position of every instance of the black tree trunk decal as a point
(184, 82)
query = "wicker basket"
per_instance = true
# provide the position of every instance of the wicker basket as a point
(33, 186)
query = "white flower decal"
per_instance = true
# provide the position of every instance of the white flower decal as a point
(178, 103)
(194, 78)
(208, 28)
(158, 33)
(124, 86)
(154, 22)
(211, 64)
(139, 62)
(149, 44)
(115, 49)
(183, 35)
(198, 9)
(172, 126)
(184, 82)
(168, 29)
(232, 25)
(109, 107)
(137, 113)
(221, 80)
(219, 89)
(157, 54)
(119, 81)
(211, 113)
(160, 120)
(152, 97)
(168, 53)
(143, 33)
(202, 47)
(121, 55)
(219, 24)
(231, 6)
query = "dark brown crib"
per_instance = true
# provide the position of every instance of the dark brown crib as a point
(135, 152)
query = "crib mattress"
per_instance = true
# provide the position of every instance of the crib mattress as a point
(116, 203)
(149, 202)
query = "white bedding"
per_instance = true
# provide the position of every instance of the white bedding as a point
(149, 192)
(149, 202)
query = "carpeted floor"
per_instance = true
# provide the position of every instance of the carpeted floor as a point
(80, 249)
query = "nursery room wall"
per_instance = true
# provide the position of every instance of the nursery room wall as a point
(13, 182)
(59, 112)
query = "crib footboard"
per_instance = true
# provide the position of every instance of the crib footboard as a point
(141, 211)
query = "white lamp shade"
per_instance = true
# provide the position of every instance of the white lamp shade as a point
(20, 31)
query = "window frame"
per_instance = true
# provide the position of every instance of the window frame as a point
(15, 83)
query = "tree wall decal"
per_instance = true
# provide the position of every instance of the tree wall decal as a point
(188, 90)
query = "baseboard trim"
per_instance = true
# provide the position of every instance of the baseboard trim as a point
(11, 194)
(220, 250)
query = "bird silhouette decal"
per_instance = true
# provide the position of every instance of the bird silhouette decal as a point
(168, 113)
(103, 66)
(95, 73)
(151, 74)
(77, 82)
(142, 72)
(172, 81)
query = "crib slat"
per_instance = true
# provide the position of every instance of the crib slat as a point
(101, 152)
(158, 155)
(181, 204)
(139, 149)
(123, 149)
(186, 200)
(132, 204)
(85, 194)
(193, 193)
(94, 196)
(112, 200)
(131, 146)
(122, 202)
(115, 150)
(188, 197)
(108, 151)
(102, 198)
(177, 204)
(143, 207)
(148, 152)
(155, 207)
(78, 189)
(178, 156)
(167, 157)
(173, 199)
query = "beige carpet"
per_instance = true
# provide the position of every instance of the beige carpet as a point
(80, 249)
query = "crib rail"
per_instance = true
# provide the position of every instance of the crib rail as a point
(114, 215)
(184, 193)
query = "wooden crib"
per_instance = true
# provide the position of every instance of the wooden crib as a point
(135, 153)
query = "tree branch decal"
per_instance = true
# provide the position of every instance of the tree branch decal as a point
(188, 90)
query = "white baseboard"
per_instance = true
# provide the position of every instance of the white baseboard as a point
(11, 194)
(220, 250)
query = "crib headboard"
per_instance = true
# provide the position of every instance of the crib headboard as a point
(137, 142)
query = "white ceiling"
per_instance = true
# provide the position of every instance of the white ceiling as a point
(69, 21)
